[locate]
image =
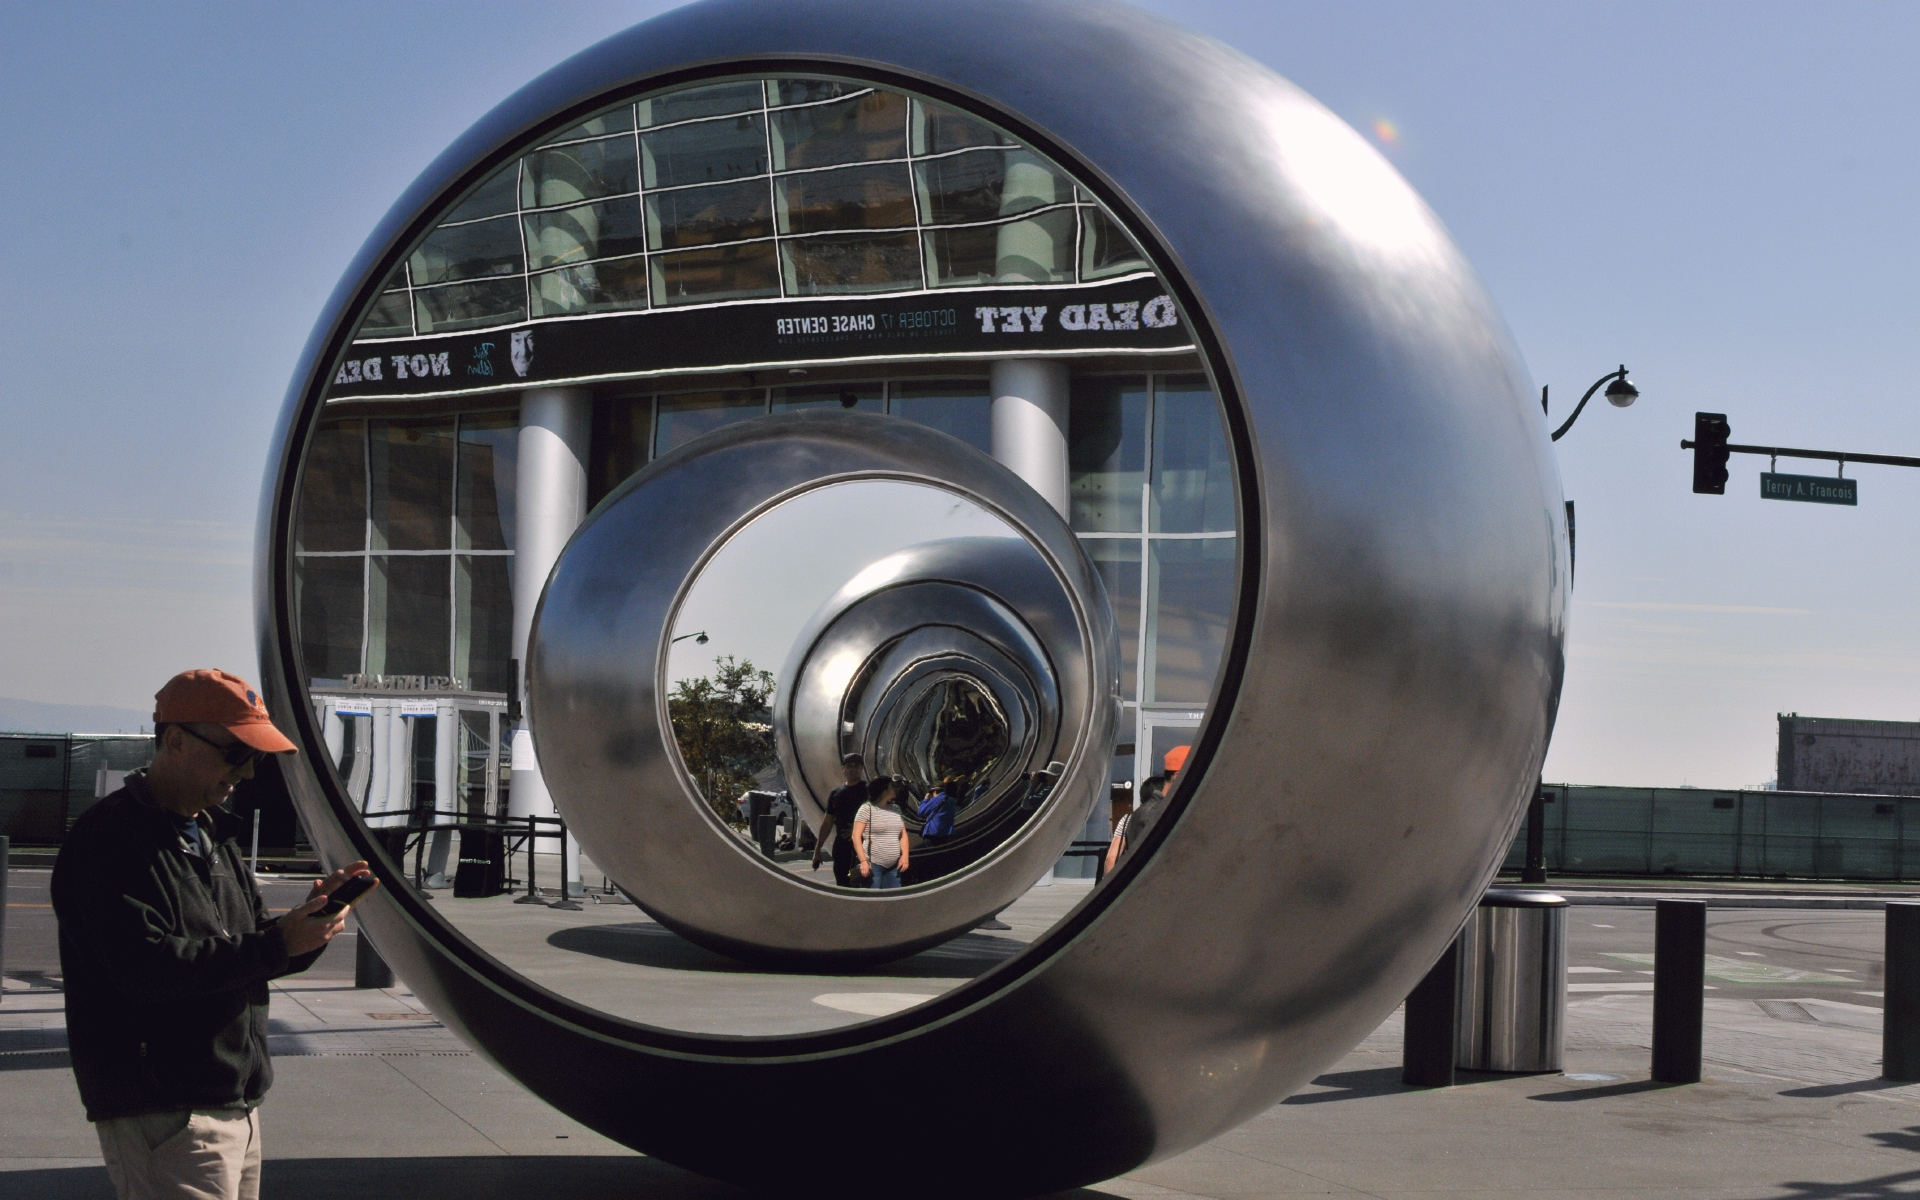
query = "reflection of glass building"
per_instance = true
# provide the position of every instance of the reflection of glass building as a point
(709, 256)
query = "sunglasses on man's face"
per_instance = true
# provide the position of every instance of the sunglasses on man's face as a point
(235, 753)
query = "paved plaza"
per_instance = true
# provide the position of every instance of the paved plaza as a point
(374, 1097)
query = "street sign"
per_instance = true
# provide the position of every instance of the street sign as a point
(1812, 489)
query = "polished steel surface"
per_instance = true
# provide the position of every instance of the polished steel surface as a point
(1512, 1008)
(1391, 674)
(597, 663)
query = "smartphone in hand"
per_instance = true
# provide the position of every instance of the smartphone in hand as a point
(344, 895)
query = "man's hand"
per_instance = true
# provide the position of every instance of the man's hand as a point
(327, 886)
(299, 929)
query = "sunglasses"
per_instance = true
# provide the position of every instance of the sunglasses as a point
(235, 753)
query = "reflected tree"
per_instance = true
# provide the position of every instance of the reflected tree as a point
(724, 727)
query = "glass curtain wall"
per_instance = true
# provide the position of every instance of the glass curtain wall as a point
(1153, 502)
(404, 549)
(751, 189)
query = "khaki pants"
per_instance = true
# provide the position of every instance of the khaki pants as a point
(205, 1154)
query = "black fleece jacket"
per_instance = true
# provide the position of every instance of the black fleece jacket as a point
(166, 957)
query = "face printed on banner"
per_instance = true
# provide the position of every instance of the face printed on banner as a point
(522, 352)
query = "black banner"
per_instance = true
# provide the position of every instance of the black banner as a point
(1131, 315)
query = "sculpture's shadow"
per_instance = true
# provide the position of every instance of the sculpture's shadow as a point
(646, 944)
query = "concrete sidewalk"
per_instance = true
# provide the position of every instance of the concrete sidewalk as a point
(375, 1098)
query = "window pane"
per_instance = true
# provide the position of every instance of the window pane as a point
(412, 479)
(471, 305)
(705, 152)
(613, 283)
(685, 417)
(483, 625)
(621, 430)
(986, 184)
(490, 199)
(875, 197)
(409, 615)
(582, 171)
(617, 120)
(489, 454)
(1189, 597)
(1105, 248)
(468, 252)
(937, 130)
(821, 266)
(1037, 250)
(1107, 452)
(722, 273)
(961, 407)
(858, 129)
(333, 490)
(328, 598)
(390, 316)
(866, 397)
(1118, 561)
(809, 91)
(571, 235)
(732, 212)
(1192, 473)
(710, 101)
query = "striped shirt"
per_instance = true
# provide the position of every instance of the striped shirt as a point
(884, 827)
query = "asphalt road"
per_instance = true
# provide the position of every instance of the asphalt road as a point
(1755, 953)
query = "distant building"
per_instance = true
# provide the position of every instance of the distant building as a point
(1821, 754)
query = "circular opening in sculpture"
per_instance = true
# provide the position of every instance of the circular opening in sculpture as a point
(902, 679)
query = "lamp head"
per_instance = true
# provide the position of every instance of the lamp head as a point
(700, 639)
(1621, 392)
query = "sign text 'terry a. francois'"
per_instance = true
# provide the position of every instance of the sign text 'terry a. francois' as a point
(1812, 489)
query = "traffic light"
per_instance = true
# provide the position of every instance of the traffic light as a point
(1710, 432)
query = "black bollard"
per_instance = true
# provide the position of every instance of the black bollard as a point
(1900, 1016)
(369, 969)
(1679, 988)
(6, 849)
(1427, 1050)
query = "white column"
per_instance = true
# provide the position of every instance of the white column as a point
(1030, 401)
(550, 494)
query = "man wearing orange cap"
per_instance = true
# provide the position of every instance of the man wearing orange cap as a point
(167, 947)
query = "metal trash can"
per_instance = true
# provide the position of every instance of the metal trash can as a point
(1513, 984)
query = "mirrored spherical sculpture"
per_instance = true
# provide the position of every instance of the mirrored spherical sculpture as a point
(1255, 402)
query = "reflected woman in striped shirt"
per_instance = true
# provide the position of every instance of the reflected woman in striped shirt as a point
(880, 835)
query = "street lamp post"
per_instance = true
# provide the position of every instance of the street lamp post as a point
(1620, 394)
(699, 639)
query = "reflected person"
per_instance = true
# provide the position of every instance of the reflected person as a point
(842, 804)
(1132, 828)
(880, 835)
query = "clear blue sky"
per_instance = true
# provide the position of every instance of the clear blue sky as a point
(1723, 196)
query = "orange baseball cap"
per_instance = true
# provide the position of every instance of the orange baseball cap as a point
(210, 697)
(1176, 758)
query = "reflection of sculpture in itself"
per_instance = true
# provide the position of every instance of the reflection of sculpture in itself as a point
(924, 665)
(965, 737)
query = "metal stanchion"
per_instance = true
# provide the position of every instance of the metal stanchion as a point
(1427, 1048)
(253, 862)
(566, 902)
(1679, 983)
(533, 888)
(1900, 1015)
